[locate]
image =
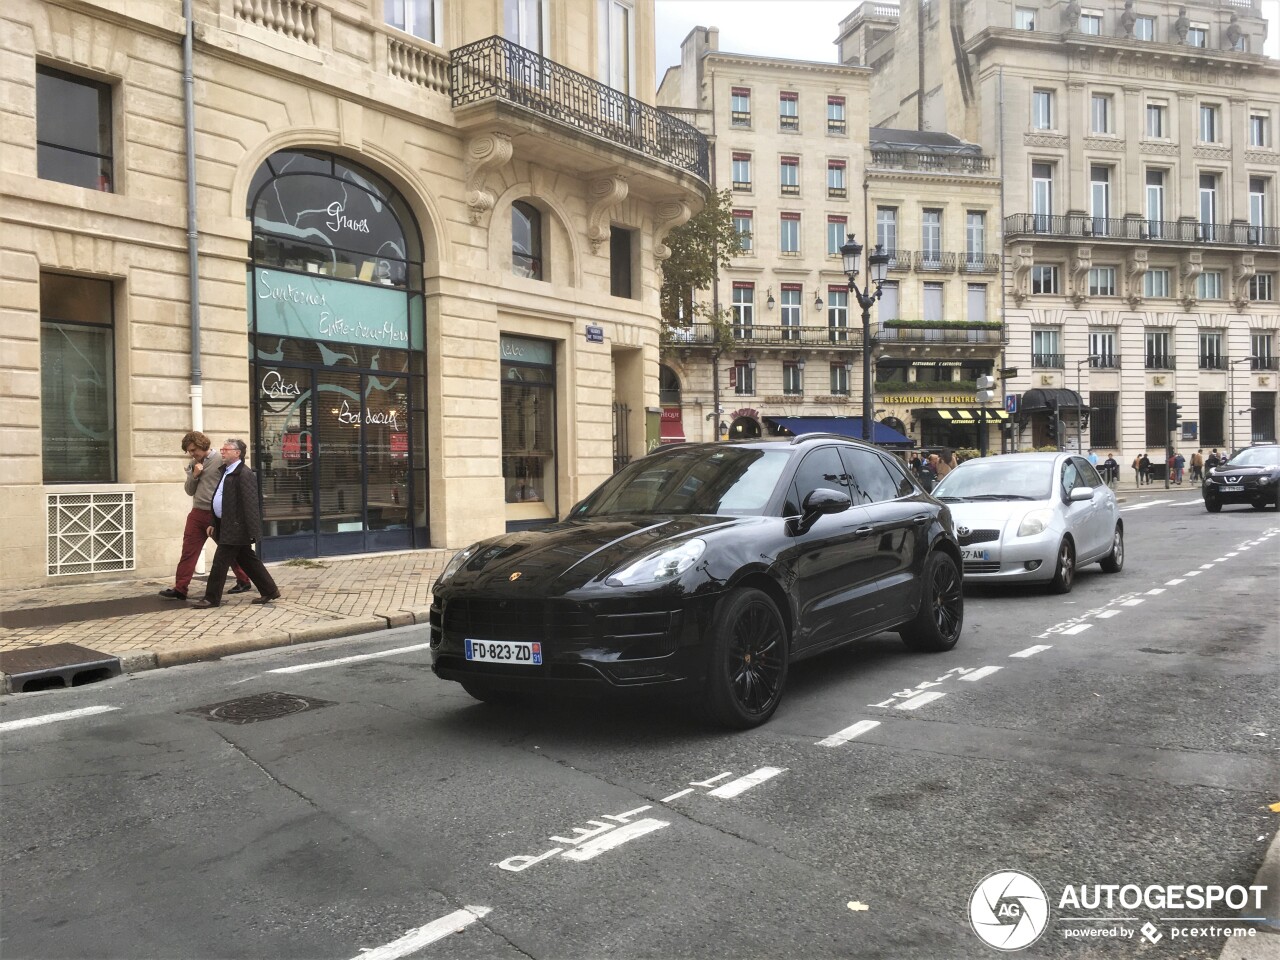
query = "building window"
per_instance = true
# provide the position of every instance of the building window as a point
(789, 234)
(792, 385)
(528, 421)
(742, 224)
(526, 241)
(744, 309)
(1158, 346)
(887, 229)
(1024, 18)
(1262, 286)
(888, 308)
(790, 310)
(1208, 123)
(1042, 196)
(836, 189)
(1211, 357)
(837, 230)
(975, 237)
(740, 107)
(1102, 282)
(789, 176)
(1091, 23)
(1198, 37)
(835, 115)
(620, 251)
(77, 380)
(1209, 285)
(1042, 109)
(1100, 113)
(1258, 209)
(839, 380)
(1045, 349)
(1262, 420)
(73, 130)
(1102, 344)
(1155, 283)
(1259, 132)
(931, 236)
(838, 314)
(744, 378)
(1044, 278)
(788, 111)
(933, 300)
(742, 171)
(1213, 408)
(1157, 420)
(1260, 351)
(1208, 206)
(1144, 28)
(1155, 203)
(977, 303)
(1157, 124)
(1100, 198)
(417, 17)
(1104, 405)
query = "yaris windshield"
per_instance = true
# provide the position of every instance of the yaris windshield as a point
(998, 480)
(723, 480)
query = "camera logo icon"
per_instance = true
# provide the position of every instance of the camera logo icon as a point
(1009, 910)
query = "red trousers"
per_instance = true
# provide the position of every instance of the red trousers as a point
(193, 538)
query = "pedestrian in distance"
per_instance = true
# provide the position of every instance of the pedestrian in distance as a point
(946, 462)
(1197, 466)
(237, 525)
(203, 470)
(1212, 460)
(1137, 469)
(1144, 468)
(1112, 468)
(1093, 457)
(1179, 465)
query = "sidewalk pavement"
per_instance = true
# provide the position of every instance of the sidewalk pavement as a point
(320, 600)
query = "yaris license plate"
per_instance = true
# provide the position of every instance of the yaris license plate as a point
(505, 651)
(973, 553)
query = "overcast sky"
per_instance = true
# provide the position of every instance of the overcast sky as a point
(794, 29)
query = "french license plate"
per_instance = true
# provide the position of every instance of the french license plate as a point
(1232, 487)
(505, 651)
(973, 553)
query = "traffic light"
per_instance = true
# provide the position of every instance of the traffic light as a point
(1052, 424)
(986, 389)
(1173, 415)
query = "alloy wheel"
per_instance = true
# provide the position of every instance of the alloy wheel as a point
(755, 658)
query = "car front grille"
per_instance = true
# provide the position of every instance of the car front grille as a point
(979, 536)
(982, 566)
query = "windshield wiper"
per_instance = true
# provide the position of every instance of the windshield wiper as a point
(953, 499)
(1001, 496)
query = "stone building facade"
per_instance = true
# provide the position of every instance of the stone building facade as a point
(1138, 147)
(426, 270)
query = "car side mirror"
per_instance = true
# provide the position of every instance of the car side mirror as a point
(1080, 494)
(818, 503)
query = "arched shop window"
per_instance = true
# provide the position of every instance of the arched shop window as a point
(338, 389)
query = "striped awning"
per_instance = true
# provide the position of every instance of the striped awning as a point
(964, 414)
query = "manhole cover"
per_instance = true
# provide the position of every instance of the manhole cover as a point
(260, 706)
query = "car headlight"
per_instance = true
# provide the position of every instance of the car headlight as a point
(1263, 481)
(459, 558)
(1035, 522)
(664, 565)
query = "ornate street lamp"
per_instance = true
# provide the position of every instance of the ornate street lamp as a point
(878, 267)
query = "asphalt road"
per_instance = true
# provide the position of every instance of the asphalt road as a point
(1136, 746)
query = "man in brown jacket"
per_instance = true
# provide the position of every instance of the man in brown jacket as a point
(203, 470)
(237, 525)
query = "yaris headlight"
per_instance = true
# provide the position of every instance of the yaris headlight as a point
(666, 564)
(1035, 523)
(455, 564)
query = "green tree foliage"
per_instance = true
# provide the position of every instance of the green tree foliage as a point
(699, 250)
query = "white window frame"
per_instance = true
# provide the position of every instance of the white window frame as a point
(1093, 19)
(617, 26)
(1144, 28)
(1102, 281)
(1044, 276)
(419, 18)
(788, 235)
(1024, 18)
(1209, 285)
(1259, 129)
(1042, 103)
(1102, 113)
(1156, 283)
(887, 229)
(747, 219)
(1262, 288)
(1210, 128)
(1159, 111)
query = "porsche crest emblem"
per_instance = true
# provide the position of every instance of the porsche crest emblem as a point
(514, 577)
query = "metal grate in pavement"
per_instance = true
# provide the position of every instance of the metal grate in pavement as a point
(259, 707)
(56, 665)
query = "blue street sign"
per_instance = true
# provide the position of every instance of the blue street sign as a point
(595, 334)
(1011, 402)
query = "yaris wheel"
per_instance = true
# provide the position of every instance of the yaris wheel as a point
(1064, 577)
(749, 660)
(1114, 561)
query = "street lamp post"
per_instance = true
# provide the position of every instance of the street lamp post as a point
(877, 267)
(1231, 397)
(1079, 399)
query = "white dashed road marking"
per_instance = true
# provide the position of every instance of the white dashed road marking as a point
(743, 784)
(1133, 603)
(54, 718)
(1174, 582)
(919, 701)
(677, 795)
(415, 940)
(980, 673)
(1078, 628)
(1032, 651)
(848, 733)
(1155, 591)
(616, 838)
(1192, 573)
(1108, 614)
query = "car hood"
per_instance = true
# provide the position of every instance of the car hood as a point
(571, 554)
(1242, 471)
(991, 514)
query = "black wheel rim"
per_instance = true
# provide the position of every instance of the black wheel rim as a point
(1066, 563)
(756, 658)
(948, 600)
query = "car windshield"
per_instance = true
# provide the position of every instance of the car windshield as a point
(1257, 457)
(698, 480)
(998, 480)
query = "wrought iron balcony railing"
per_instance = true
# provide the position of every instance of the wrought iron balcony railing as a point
(1081, 227)
(943, 331)
(1161, 361)
(1108, 361)
(1049, 361)
(935, 261)
(980, 263)
(940, 163)
(1263, 363)
(704, 334)
(1209, 361)
(497, 68)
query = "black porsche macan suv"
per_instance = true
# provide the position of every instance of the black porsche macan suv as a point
(708, 566)
(1251, 476)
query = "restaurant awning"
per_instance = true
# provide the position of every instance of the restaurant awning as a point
(883, 435)
(963, 414)
(671, 427)
(1038, 399)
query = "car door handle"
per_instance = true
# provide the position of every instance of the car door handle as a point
(864, 531)
(922, 518)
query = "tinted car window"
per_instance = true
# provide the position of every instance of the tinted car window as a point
(1257, 457)
(820, 468)
(901, 478)
(1070, 477)
(1088, 474)
(869, 480)
(723, 480)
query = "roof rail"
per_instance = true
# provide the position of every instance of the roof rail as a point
(803, 437)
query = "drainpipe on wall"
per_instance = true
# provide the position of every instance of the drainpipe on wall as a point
(1004, 279)
(193, 233)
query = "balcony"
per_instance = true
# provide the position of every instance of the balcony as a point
(940, 331)
(1263, 363)
(495, 69)
(980, 263)
(1161, 361)
(1182, 232)
(767, 335)
(1211, 361)
(1049, 361)
(935, 261)
(931, 162)
(1108, 361)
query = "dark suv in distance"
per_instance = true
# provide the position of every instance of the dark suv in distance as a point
(708, 567)
(1251, 476)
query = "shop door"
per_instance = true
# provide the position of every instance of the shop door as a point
(286, 457)
(340, 465)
